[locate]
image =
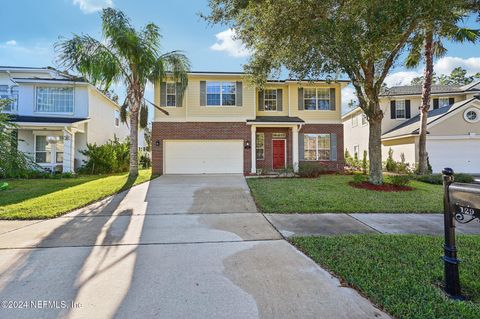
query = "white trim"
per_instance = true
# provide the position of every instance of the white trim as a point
(399, 136)
(253, 149)
(273, 124)
(295, 155)
(453, 112)
(285, 151)
(454, 137)
(476, 111)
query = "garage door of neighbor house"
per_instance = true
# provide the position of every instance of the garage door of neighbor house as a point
(461, 155)
(203, 156)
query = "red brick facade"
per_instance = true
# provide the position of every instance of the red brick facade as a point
(197, 131)
(237, 130)
(328, 128)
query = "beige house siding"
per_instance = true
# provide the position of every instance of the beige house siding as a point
(357, 135)
(407, 146)
(455, 124)
(285, 101)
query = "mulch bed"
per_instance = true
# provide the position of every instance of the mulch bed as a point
(381, 188)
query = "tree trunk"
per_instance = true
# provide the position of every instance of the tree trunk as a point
(375, 151)
(134, 142)
(427, 86)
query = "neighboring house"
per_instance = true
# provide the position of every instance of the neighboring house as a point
(453, 138)
(225, 125)
(57, 115)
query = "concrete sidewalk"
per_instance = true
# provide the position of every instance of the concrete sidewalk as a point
(176, 247)
(339, 224)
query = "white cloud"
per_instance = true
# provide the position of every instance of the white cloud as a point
(91, 6)
(11, 42)
(447, 64)
(226, 42)
(401, 78)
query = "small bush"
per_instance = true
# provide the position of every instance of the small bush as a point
(145, 161)
(390, 164)
(364, 162)
(438, 179)
(310, 170)
(359, 178)
(111, 157)
(399, 180)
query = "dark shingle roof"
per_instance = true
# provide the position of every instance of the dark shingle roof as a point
(417, 89)
(276, 119)
(45, 119)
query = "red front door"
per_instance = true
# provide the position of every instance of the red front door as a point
(278, 154)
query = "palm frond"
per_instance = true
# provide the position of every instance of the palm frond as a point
(143, 115)
(176, 65)
(465, 34)
(91, 58)
(439, 49)
(414, 56)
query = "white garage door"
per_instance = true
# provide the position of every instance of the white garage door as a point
(203, 156)
(463, 156)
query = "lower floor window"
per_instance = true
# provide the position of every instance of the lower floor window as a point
(317, 147)
(45, 150)
(260, 146)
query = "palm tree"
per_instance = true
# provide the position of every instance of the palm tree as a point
(440, 21)
(129, 56)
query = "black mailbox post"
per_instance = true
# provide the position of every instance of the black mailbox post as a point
(462, 204)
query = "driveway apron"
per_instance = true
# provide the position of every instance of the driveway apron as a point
(176, 247)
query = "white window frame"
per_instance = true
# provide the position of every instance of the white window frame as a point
(221, 94)
(167, 84)
(354, 121)
(53, 87)
(356, 147)
(397, 104)
(443, 102)
(317, 98)
(472, 109)
(53, 152)
(364, 120)
(262, 148)
(317, 149)
(116, 115)
(274, 100)
(8, 93)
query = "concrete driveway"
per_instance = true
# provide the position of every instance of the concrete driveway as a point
(177, 247)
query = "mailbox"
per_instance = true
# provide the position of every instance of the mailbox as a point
(461, 203)
(465, 199)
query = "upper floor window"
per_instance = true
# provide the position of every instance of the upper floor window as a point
(221, 93)
(10, 94)
(117, 118)
(443, 102)
(364, 119)
(171, 94)
(400, 109)
(354, 121)
(54, 99)
(270, 99)
(316, 99)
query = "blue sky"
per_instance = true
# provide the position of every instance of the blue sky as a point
(34, 26)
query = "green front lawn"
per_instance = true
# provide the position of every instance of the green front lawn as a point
(47, 198)
(401, 273)
(332, 194)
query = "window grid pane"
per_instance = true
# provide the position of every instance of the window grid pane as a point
(57, 100)
(443, 102)
(221, 93)
(259, 145)
(171, 94)
(317, 147)
(270, 100)
(400, 109)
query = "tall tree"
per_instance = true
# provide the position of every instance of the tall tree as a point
(127, 55)
(359, 38)
(440, 20)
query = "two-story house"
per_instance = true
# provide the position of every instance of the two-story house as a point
(453, 129)
(223, 124)
(57, 115)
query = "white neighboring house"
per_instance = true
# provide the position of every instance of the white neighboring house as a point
(57, 114)
(453, 138)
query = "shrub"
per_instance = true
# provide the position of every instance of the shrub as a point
(364, 162)
(111, 157)
(390, 164)
(310, 170)
(359, 178)
(438, 179)
(145, 161)
(353, 163)
(399, 180)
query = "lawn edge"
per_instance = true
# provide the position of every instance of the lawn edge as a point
(81, 206)
(343, 282)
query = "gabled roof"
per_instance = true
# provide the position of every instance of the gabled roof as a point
(411, 126)
(436, 89)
